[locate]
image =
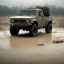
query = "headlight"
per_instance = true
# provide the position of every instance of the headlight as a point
(11, 21)
(29, 21)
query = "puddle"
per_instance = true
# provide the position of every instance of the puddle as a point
(58, 41)
(23, 40)
(40, 44)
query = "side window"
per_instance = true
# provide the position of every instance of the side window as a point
(40, 13)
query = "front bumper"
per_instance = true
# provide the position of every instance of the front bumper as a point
(21, 25)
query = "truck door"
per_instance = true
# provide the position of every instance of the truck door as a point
(40, 18)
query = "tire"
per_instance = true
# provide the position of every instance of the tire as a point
(33, 30)
(13, 30)
(48, 28)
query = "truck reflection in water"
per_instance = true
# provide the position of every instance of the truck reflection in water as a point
(25, 41)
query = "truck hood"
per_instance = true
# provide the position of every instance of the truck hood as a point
(23, 17)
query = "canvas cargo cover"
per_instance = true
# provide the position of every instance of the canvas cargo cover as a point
(45, 9)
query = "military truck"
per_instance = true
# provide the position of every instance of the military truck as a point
(31, 19)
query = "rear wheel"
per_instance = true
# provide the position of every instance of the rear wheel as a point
(48, 28)
(13, 30)
(33, 30)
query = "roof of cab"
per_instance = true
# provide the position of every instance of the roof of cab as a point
(31, 9)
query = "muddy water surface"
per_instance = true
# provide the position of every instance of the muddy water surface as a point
(23, 49)
(23, 40)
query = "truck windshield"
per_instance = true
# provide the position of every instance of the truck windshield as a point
(27, 13)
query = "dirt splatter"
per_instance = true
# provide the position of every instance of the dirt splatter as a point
(40, 44)
(58, 41)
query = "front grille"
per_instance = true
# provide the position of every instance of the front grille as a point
(16, 21)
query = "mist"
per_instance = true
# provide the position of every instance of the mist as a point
(11, 7)
(11, 3)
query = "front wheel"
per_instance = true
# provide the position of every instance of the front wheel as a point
(13, 30)
(48, 28)
(33, 30)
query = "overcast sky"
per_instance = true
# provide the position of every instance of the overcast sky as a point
(31, 2)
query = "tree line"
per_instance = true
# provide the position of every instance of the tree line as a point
(8, 11)
(56, 11)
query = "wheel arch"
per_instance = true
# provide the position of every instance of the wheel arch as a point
(50, 22)
(35, 22)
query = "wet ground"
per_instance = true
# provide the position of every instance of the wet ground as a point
(23, 49)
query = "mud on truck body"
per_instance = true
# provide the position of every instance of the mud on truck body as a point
(31, 19)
